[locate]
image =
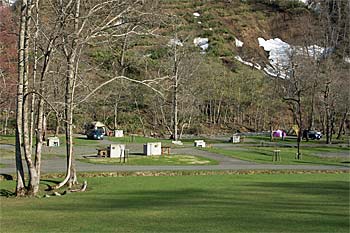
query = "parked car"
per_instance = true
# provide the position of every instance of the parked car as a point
(312, 134)
(96, 134)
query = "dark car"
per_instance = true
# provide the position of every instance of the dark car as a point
(312, 134)
(95, 134)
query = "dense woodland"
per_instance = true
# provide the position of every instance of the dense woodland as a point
(133, 65)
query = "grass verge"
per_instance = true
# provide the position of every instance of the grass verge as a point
(264, 155)
(7, 139)
(154, 160)
(292, 140)
(138, 139)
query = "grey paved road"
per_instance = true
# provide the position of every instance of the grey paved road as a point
(57, 164)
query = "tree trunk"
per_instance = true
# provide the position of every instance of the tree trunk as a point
(70, 171)
(300, 132)
(139, 115)
(271, 132)
(35, 67)
(115, 116)
(39, 139)
(20, 184)
(57, 127)
(175, 95)
(342, 122)
(72, 68)
(312, 112)
(7, 116)
(218, 115)
(33, 178)
(327, 113)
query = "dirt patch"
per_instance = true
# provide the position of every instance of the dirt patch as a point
(334, 155)
(199, 173)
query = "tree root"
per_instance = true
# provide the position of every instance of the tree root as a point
(82, 189)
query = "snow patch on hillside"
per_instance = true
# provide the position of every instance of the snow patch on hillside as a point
(280, 54)
(313, 51)
(304, 1)
(256, 66)
(203, 43)
(238, 43)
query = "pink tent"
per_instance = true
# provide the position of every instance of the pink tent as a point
(279, 133)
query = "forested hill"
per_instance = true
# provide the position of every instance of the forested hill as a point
(224, 21)
(203, 66)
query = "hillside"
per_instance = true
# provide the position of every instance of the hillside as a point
(224, 21)
(214, 59)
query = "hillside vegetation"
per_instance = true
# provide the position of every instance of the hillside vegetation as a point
(216, 93)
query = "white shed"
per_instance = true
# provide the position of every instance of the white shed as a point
(154, 148)
(53, 141)
(199, 143)
(116, 150)
(118, 133)
(235, 139)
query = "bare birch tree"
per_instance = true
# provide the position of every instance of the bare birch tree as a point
(84, 23)
(30, 85)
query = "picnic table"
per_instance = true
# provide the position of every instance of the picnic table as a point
(165, 149)
(102, 152)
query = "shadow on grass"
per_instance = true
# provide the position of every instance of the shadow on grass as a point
(6, 193)
(337, 189)
(50, 181)
(49, 184)
(4, 176)
(256, 207)
(138, 154)
(143, 199)
(85, 138)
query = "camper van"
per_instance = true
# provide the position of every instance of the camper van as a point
(95, 130)
(95, 134)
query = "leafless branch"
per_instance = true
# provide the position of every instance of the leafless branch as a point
(148, 83)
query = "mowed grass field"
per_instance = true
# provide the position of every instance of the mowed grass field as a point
(154, 160)
(310, 155)
(215, 203)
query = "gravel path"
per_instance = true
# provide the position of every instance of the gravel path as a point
(225, 163)
(58, 163)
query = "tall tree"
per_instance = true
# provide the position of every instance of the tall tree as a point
(31, 77)
(84, 23)
(21, 92)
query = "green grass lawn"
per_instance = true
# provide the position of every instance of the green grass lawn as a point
(76, 140)
(155, 160)
(7, 153)
(7, 139)
(79, 141)
(217, 203)
(138, 139)
(264, 155)
(167, 142)
(292, 140)
(207, 140)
